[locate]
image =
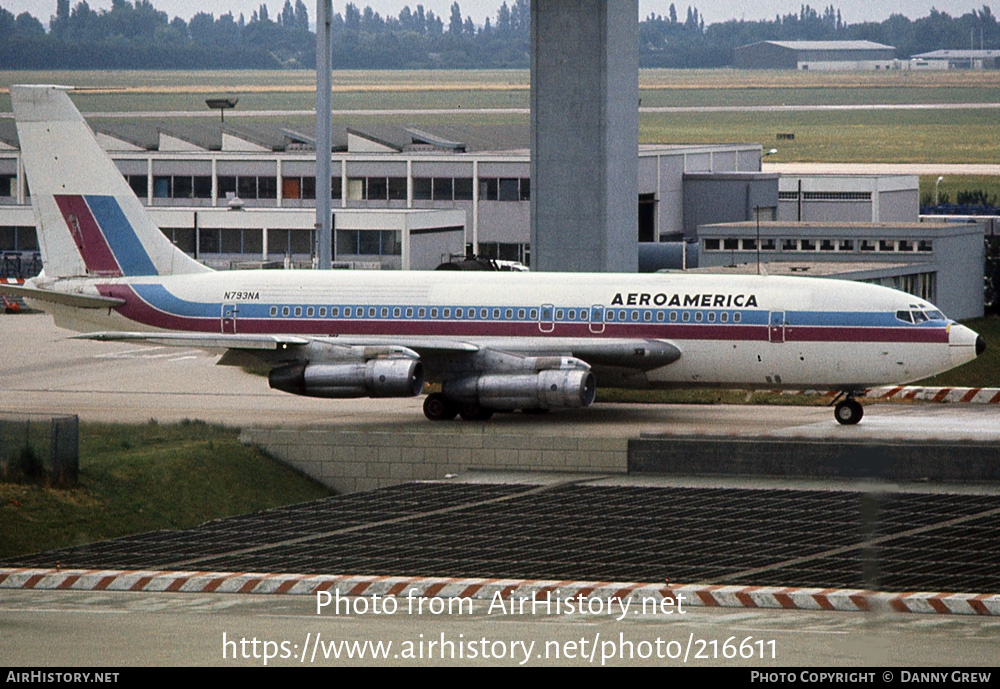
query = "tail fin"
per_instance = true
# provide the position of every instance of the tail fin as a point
(89, 221)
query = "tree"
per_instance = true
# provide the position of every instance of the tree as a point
(455, 23)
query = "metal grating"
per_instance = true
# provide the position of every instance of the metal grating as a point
(690, 535)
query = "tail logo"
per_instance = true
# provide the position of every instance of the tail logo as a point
(103, 235)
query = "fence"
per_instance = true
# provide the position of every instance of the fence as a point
(37, 448)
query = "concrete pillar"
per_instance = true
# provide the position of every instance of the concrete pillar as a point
(584, 135)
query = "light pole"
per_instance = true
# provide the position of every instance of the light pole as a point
(939, 180)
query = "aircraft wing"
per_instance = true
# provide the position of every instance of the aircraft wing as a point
(639, 354)
(202, 340)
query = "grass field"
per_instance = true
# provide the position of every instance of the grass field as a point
(142, 478)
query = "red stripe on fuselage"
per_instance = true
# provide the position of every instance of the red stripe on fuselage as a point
(87, 235)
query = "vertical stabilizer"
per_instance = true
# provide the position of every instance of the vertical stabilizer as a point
(89, 221)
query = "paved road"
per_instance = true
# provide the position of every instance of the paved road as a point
(58, 628)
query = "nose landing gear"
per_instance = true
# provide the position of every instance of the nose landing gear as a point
(848, 410)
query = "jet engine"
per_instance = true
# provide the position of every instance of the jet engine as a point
(569, 385)
(388, 377)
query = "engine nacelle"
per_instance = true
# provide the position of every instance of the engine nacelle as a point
(393, 377)
(549, 389)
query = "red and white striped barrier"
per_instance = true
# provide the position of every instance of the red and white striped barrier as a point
(658, 595)
(916, 392)
(938, 394)
(10, 304)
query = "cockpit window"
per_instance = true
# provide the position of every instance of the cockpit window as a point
(920, 316)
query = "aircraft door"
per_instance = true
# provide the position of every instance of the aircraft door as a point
(546, 318)
(229, 318)
(597, 318)
(776, 327)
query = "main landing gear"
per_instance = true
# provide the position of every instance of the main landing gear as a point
(437, 407)
(848, 410)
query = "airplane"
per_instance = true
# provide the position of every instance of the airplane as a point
(500, 341)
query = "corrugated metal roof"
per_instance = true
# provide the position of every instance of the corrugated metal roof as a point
(831, 45)
(959, 54)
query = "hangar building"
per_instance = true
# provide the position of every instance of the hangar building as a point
(815, 55)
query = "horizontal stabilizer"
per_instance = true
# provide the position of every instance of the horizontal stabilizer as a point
(80, 301)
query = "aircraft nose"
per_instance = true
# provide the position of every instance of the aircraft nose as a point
(980, 345)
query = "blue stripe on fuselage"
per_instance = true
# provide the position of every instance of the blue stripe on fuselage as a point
(121, 237)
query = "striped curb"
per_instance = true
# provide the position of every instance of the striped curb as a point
(910, 392)
(846, 600)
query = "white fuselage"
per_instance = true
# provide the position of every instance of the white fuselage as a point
(732, 331)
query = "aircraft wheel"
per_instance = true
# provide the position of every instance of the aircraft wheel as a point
(848, 412)
(471, 411)
(437, 407)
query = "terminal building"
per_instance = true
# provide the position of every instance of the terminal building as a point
(235, 195)
(939, 262)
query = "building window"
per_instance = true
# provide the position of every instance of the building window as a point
(505, 189)
(443, 189)
(463, 188)
(369, 242)
(18, 238)
(139, 184)
(836, 196)
(422, 188)
(397, 188)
